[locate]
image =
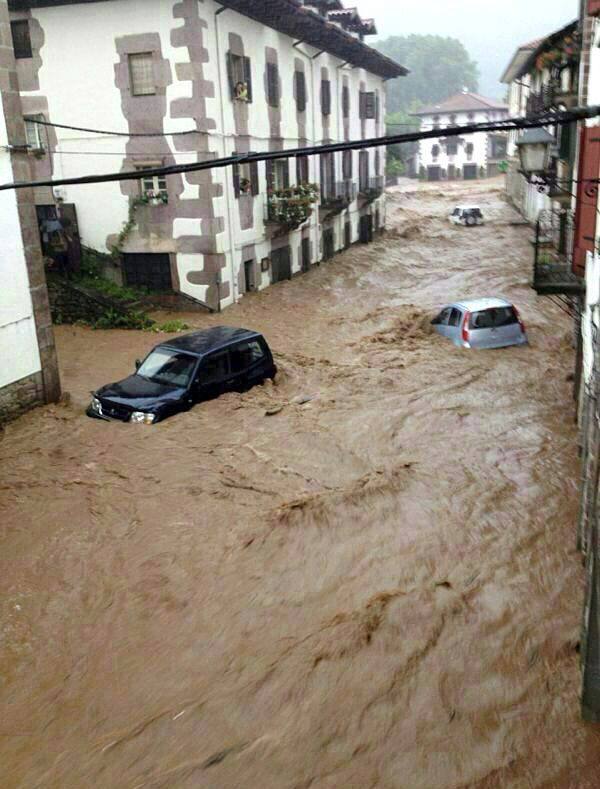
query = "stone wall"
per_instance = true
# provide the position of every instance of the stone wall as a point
(20, 396)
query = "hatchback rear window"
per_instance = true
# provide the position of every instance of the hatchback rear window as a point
(493, 318)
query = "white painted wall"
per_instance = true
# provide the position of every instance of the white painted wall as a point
(19, 354)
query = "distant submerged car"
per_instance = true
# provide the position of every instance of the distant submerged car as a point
(481, 323)
(466, 215)
(183, 371)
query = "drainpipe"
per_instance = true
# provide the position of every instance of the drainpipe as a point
(229, 198)
(313, 93)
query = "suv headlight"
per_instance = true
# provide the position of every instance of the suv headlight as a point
(142, 419)
(96, 405)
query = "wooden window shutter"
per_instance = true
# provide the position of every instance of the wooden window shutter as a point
(248, 77)
(230, 74)
(285, 166)
(593, 7)
(585, 217)
(300, 91)
(273, 84)
(269, 166)
(369, 105)
(377, 106)
(236, 178)
(254, 178)
(21, 38)
(326, 97)
(345, 101)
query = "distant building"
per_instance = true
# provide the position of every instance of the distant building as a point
(28, 366)
(474, 156)
(242, 76)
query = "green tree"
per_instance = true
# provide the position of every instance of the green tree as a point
(439, 67)
(401, 122)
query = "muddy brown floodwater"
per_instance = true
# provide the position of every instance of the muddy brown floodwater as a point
(377, 587)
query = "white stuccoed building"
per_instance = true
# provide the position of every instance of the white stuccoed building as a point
(474, 156)
(242, 76)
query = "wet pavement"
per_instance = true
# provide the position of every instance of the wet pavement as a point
(374, 585)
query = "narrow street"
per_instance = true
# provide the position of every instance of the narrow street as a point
(362, 576)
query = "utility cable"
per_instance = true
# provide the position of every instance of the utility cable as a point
(549, 119)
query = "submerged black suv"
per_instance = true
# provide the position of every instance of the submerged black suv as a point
(183, 371)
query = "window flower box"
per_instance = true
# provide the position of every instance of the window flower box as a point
(291, 206)
(155, 198)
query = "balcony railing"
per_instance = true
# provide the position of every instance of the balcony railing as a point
(372, 188)
(291, 207)
(549, 96)
(338, 195)
(552, 265)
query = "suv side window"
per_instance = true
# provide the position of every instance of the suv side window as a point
(214, 368)
(454, 317)
(245, 355)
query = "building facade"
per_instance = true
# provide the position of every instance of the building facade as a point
(209, 79)
(542, 76)
(451, 158)
(28, 367)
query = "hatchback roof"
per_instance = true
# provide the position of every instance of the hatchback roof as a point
(468, 208)
(207, 340)
(474, 305)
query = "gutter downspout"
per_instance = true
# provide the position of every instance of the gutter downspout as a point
(311, 60)
(228, 185)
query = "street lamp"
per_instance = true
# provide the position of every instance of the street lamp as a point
(535, 152)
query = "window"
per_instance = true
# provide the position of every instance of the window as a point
(300, 80)
(469, 150)
(346, 101)
(325, 97)
(435, 151)
(436, 121)
(347, 165)
(377, 162)
(302, 170)
(152, 185)
(245, 178)
(454, 317)
(214, 368)
(327, 175)
(141, 73)
(245, 355)
(367, 105)
(239, 73)
(471, 116)
(278, 175)
(33, 131)
(442, 318)
(21, 39)
(493, 318)
(167, 367)
(152, 271)
(272, 85)
(452, 148)
(377, 106)
(363, 170)
(453, 120)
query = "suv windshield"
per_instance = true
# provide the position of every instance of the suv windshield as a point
(493, 318)
(168, 367)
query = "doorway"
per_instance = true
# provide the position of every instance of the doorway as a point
(281, 264)
(249, 278)
(148, 271)
(366, 229)
(305, 254)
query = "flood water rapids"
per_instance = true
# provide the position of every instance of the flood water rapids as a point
(362, 576)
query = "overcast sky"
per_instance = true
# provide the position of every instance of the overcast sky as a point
(490, 29)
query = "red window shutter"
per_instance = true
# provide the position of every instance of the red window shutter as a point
(585, 217)
(593, 7)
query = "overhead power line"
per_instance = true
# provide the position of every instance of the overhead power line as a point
(510, 124)
(115, 133)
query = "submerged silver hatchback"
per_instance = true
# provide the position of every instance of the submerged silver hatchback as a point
(481, 323)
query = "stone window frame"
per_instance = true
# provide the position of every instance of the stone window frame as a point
(140, 91)
(33, 133)
(278, 174)
(21, 43)
(245, 179)
(159, 182)
(239, 71)
(347, 165)
(364, 170)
